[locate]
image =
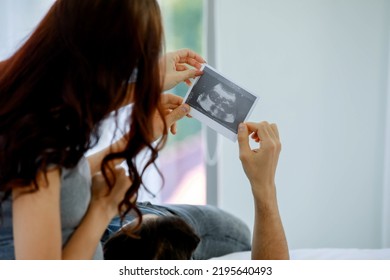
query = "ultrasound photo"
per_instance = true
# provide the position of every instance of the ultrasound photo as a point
(219, 103)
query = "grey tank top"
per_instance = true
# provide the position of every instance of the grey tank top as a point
(75, 198)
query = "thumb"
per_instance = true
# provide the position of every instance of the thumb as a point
(243, 139)
(177, 114)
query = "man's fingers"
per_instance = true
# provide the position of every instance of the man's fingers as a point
(243, 140)
(274, 127)
(268, 135)
(261, 129)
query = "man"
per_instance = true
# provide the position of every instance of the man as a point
(177, 232)
(163, 236)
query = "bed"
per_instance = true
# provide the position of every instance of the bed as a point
(323, 254)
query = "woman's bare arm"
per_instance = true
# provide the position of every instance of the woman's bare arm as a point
(37, 218)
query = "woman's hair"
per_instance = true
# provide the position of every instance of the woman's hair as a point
(67, 77)
(163, 238)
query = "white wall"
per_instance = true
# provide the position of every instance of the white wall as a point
(320, 68)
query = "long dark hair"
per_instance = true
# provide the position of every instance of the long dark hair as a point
(67, 77)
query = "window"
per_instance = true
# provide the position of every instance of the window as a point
(181, 161)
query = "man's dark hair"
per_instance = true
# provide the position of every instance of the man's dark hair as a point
(163, 238)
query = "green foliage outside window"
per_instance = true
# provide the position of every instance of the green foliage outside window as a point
(183, 23)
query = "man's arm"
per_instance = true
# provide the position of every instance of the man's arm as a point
(269, 240)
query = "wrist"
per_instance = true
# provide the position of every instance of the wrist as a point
(102, 210)
(263, 190)
(266, 210)
(269, 207)
(264, 194)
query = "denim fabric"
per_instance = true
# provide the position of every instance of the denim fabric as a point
(144, 207)
(220, 232)
(75, 197)
(6, 234)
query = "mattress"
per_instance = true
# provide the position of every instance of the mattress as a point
(323, 254)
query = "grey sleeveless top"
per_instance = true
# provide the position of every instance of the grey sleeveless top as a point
(75, 198)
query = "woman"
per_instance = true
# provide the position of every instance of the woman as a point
(54, 93)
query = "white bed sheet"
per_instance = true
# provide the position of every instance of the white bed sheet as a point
(323, 254)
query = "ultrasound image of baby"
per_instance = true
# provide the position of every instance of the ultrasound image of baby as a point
(219, 102)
